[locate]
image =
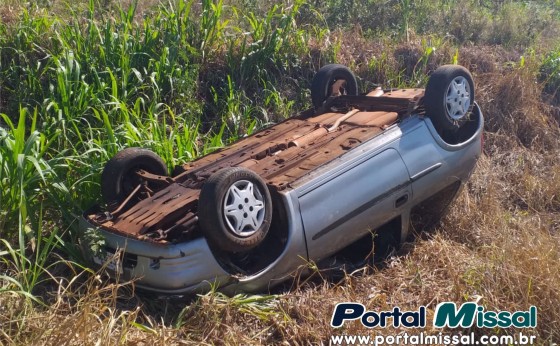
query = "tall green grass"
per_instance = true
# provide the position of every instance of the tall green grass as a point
(26, 180)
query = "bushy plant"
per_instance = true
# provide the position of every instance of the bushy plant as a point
(550, 74)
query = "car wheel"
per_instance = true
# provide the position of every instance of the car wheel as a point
(235, 209)
(331, 80)
(119, 179)
(449, 97)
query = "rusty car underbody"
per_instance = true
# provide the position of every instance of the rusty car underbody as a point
(281, 155)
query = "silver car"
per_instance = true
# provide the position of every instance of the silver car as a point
(329, 181)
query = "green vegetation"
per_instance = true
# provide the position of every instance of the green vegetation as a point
(550, 73)
(81, 80)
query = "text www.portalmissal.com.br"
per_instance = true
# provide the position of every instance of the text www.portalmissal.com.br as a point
(422, 339)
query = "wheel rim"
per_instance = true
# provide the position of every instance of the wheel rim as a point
(458, 98)
(244, 208)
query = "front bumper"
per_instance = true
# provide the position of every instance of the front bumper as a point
(166, 268)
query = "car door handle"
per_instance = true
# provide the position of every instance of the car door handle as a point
(425, 172)
(401, 201)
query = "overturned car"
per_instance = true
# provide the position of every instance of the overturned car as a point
(353, 168)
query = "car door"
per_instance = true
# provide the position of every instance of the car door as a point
(361, 198)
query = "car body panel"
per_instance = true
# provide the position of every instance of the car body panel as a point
(344, 202)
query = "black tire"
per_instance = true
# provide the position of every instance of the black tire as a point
(449, 115)
(219, 227)
(118, 178)
(321, 86)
